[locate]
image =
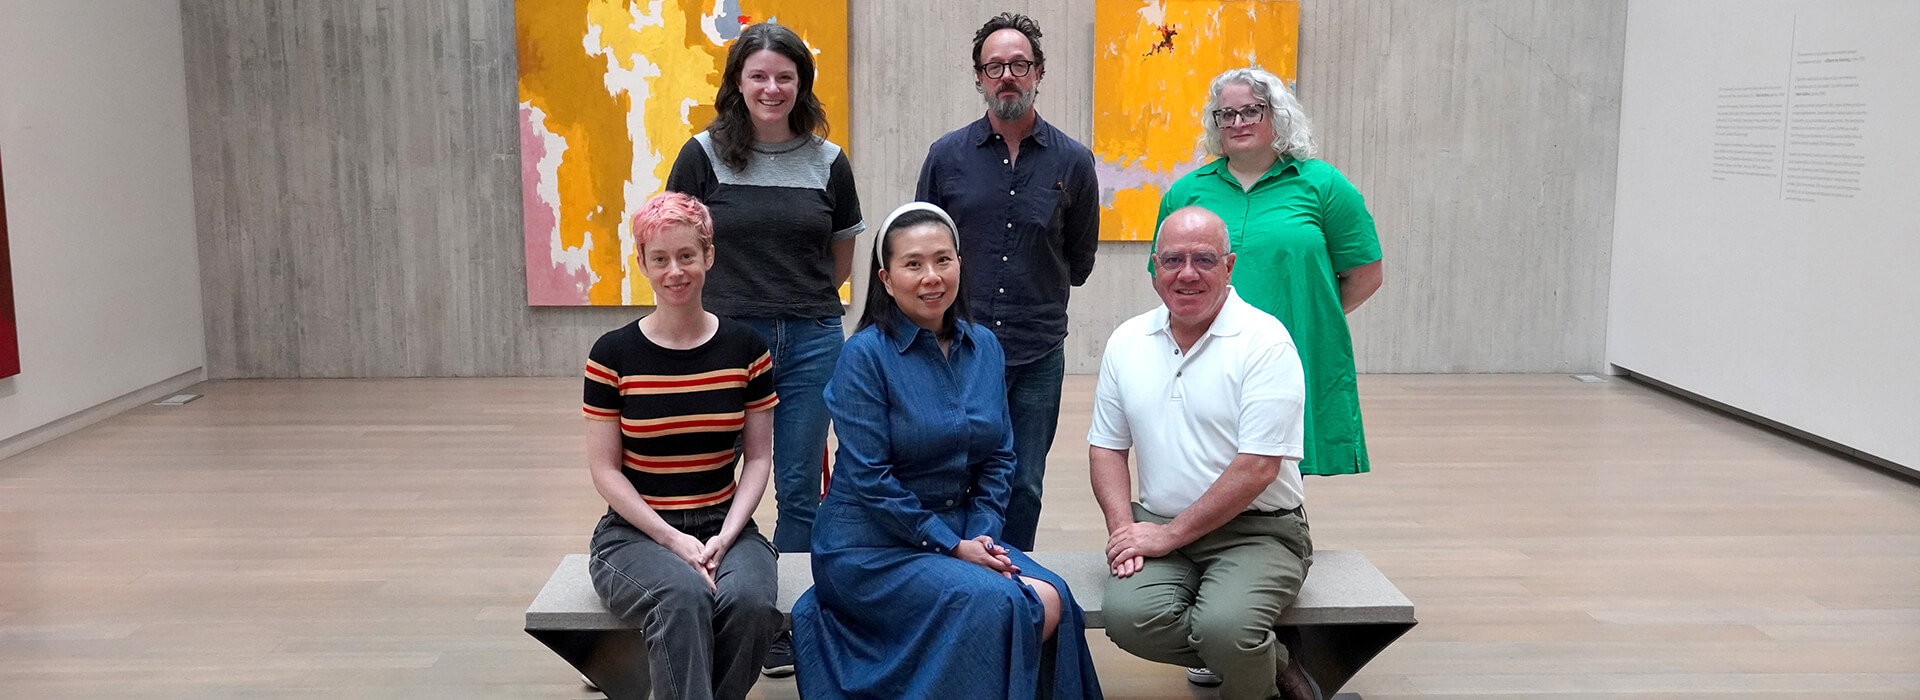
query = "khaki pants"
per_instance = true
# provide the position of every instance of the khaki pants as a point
(1213, 602)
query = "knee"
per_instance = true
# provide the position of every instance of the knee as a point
(746, 603)
(682, 594)
(1136, 623)
(1221, 633)
(983, 597)
(1130, 606)
(638, 602)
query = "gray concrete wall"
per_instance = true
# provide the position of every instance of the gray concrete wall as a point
(356, 175)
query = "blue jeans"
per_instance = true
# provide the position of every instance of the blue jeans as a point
(1033, 404)
(805, 351)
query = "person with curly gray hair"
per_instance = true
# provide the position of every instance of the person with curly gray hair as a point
(1308, 253)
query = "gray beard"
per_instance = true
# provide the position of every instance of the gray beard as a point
(1009, 111)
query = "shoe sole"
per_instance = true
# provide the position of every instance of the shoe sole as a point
(777, 671)
(1213, 682)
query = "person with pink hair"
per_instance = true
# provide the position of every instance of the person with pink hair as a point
(680, 444)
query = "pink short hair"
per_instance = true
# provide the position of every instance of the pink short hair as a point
(669, 210)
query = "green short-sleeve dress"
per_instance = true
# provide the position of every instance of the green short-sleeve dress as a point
(1298, 226)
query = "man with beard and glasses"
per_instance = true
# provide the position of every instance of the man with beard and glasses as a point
(1027, 203)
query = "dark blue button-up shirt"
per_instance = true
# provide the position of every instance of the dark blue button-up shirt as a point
(926, 450)
(1028, 227)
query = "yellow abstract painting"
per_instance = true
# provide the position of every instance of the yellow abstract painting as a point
(1153, 61)
(609, 91)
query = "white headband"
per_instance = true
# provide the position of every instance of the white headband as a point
(879, 241)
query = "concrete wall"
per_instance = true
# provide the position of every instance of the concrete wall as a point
(355, 166)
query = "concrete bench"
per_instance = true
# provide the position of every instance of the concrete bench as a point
(1347, 613)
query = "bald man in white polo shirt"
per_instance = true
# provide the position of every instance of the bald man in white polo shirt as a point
(1209, 391)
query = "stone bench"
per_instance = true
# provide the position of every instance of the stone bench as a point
(1347, 613)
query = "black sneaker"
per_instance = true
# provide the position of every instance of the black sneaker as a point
(779, 663)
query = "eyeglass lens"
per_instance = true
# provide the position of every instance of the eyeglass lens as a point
(997, 68)
(1200, 261)
(1250, 114)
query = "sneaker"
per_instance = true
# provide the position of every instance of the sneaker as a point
(779, 663)
(1203, 677)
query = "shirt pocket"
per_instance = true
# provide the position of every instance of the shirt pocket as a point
(1043, 208)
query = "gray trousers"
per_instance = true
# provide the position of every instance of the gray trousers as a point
(701, 644)
(1213, 602)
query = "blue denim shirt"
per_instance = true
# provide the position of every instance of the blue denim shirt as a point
(1028, 228)
(926, 450)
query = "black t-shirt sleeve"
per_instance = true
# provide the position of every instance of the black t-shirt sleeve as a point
(601, 399)
(692, 173)
(759, 394)
(847, 220)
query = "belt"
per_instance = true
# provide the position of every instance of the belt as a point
(1296, 510)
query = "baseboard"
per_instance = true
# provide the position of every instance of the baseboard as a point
(102, 411)
(1875, 461)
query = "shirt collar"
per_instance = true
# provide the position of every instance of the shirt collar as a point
(905, 332)
(1231, 319)
(982, 131)
(1218, 167)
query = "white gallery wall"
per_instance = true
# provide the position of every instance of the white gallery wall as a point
(1766, 246)
(93, 136)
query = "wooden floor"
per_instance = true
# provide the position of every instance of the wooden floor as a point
(380, 539)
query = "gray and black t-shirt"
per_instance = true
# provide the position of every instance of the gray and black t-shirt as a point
(773, 225)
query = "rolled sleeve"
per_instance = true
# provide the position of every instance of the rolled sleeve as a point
(1352, 240)
(1109, 428)
(847, 220)
(1272, 417)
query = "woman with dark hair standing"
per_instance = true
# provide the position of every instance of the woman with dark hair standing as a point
(914, 594)
(785, 214)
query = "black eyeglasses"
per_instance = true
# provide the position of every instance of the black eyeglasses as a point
(1250, 114)
(996, 69)
(1201, 262)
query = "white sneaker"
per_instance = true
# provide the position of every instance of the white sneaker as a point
(1203, 677)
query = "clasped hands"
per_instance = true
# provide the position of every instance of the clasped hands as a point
(703, 556)
(1130, 545)
(981, 550)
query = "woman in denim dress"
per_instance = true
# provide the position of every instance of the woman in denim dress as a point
(914, 595)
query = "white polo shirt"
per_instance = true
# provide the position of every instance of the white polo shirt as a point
(1239, 389)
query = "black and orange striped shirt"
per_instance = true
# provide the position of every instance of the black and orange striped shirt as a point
(680, 411)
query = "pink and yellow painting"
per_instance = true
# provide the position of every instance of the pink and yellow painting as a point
(609, 91)
(1153, 61)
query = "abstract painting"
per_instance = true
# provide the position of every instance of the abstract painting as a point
(609, 91)
(1153, 61)
(9, 332)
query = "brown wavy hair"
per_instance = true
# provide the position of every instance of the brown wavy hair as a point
(732, 126)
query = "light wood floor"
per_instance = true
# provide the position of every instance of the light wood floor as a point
(330, 539)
